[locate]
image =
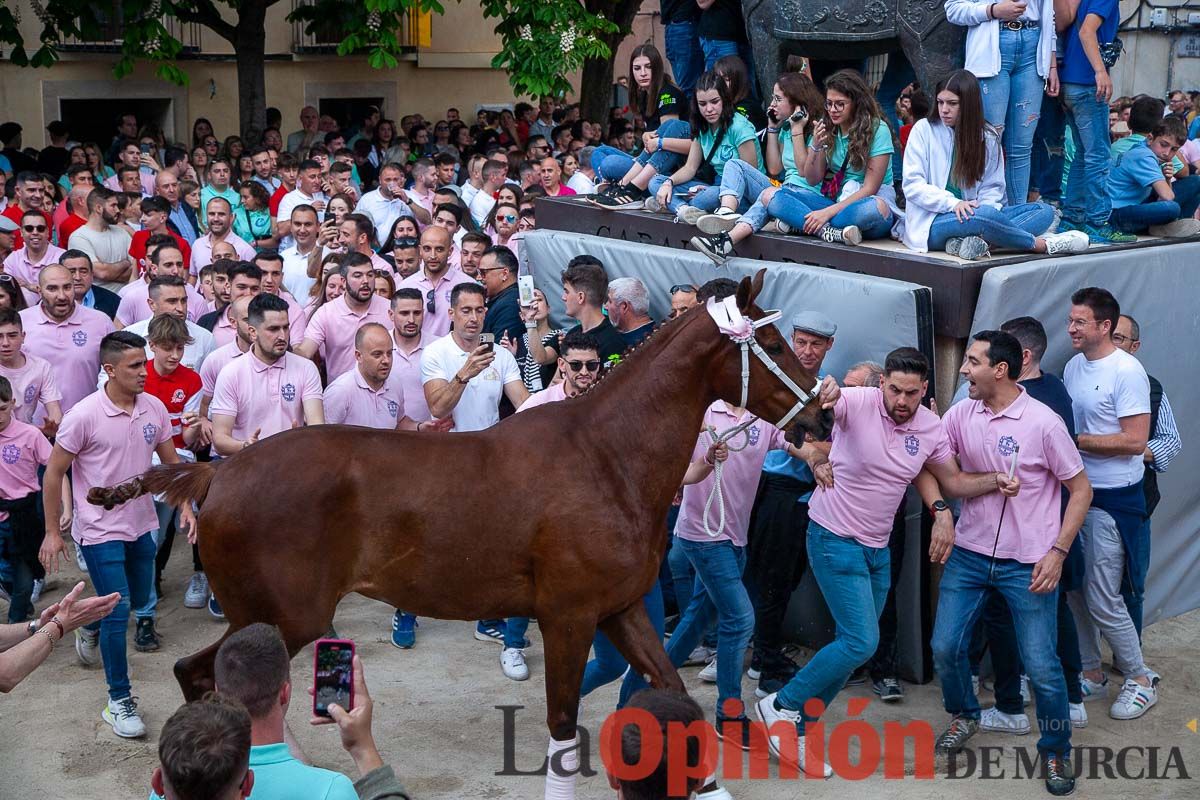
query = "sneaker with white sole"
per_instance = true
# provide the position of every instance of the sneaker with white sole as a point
(512, 661)
(653, 206)
(1026, 694)
(87, 646)
(1066, 242)
(214, 607)
(39, 586)
(1179, 229)
(849, 235)
(753, 674)
(689, 215)
(700, 655)
(1092, 690)
(772, 715)
(888, 689)
(722, 220)
(196, 594)
(79, 562)
(709, 673)
(955, 737)
(715, 793)
(968, 248)
(1133, 701)
(1078, 715)
(993, 719)
(718, 247)
(780, 227)
(124, 718)
(624, 197)
(489, 633)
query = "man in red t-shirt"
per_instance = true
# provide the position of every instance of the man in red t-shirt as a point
(30, 194)
(77, 214)
(288, 169)
(155, 213)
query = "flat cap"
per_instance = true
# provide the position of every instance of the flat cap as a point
(815, 323)
(8, 226)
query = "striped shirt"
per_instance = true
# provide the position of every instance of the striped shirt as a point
(1165, 443)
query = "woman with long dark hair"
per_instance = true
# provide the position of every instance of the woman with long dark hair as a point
(665, 143)
(795, 106)
(954, 184)
(723, 136)
(385, 137)
(851, 160)
(733, 71)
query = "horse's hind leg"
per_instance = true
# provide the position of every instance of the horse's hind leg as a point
(195, 672)
(566, 641)
(634, 636)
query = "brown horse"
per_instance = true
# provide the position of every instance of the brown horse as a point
(577, 551)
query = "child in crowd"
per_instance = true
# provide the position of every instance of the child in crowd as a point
(1145, 196)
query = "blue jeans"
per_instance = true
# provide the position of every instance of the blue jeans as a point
(614, 163)
(962, 593)
(514, 632)
(17, 575)
(715, 49)
(1046, 163)
(166, 515)
(1012, 102)
(609, 664)
(718, 593)
(610, 163)
(1014, 226)
(854, 581)
(684, 53)
(1140, 216)
(745, 182)
(899, 73)
(792, 205)
(707, 199)
(128, 568)
(1087, 197)
(1133, 582)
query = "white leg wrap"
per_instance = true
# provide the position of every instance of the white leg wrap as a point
(562, 786)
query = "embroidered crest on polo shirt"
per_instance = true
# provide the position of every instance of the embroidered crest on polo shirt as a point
(177, 396)
(149, 432)
(288, 391)
(490, 374)
(753, 433)
(393, 407)
(79, 338)
(912, 445)
(10, 453)
(1007, 446)
(30, 394)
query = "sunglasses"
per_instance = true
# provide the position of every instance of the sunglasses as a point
(406, 241)
(590, 366)
(683, 287)
(430, 306)
(6, 278)
(34, 228)
(507, 217)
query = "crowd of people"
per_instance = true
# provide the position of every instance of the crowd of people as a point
(164, 302)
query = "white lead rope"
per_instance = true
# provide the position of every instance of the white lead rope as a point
(717, 493)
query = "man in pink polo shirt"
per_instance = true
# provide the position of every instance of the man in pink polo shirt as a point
(1012, 545)
(66, 334)
(163, 257)
(435, 280)
(271, 264)
(219, 215)
(332, 328)
(579, 365)
(25, 264)
(105, 439)
(409, 340)
(31, 377)
(354, 235)
(244, 280)
(269, 389)
(882, 439)
(218, 359)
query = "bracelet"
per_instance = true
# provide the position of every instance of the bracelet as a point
(49, 637)
(61, 631)
(464, 381)
(531, 324)
(772, 130)
(1059, 550)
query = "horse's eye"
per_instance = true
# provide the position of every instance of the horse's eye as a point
(774, 348)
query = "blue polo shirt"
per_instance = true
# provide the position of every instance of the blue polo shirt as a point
(1132, 174)
(1075, 65)
(279, 776)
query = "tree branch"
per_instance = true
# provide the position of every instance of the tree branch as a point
(205, 12)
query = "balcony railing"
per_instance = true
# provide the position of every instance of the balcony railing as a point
(326, 37)
(111, 38)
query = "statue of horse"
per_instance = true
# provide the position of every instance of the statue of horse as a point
(841, 29)
(558, 514)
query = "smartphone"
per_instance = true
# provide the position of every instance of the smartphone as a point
(145, 149)
(525, 288)
(333, 675)
(488, 340)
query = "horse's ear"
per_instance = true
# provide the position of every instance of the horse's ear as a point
(745, 295)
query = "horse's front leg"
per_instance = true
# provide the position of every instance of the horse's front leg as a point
(566, 640)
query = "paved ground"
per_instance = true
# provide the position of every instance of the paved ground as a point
(436, 721)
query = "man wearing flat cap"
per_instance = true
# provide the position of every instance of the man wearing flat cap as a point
(777, 556)
(8, 231)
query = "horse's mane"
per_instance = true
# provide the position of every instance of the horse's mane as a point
(650, 342)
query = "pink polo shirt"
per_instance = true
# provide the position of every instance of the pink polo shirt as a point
(214, 363)
(334, 325)
(135, 303)
(202, 250)
(739, 478)
(32, 385)
(23, 448)
(223, 330)
(72, 347)
(349, 400)
(19, 265)
(111, 446)
(297, 319)
(436, 324)
(265, 396)
(874, 460)
(984, 442)
(552, 395)
(407, 369)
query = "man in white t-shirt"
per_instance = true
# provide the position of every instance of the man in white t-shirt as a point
(307, 192)
(1110, 395)
(463, 378)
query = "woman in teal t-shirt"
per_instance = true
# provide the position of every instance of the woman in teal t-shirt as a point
(724, 136)
(795, 101)
(852, 162)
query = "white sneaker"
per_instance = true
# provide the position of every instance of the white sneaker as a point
(125, 719)
(652, 205)
(722, 220)
(770, 716)
(689, 215)
(753, 674)
(993, 719)
(1133, 701)
(709, 673)
(79, 562)
(196, 595)
(1078, 715)
(39, 586)
(1066, 242)
(719, 793)
(701, 655)
(87, 646)
(512, 661)
(1026, 696)
(1092, 690)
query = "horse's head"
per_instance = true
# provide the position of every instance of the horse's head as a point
(764, 390)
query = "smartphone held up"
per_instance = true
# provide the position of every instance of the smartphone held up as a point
(333, 675)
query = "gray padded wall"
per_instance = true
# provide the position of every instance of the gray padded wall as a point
(874, 316)
(1157, 286)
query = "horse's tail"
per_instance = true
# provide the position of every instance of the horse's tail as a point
(179, 483)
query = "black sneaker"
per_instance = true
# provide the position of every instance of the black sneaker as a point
(956, 735)
(888, 689)
(624, 197)
(737, 730)
(718, 248)
(145, 639)
(1060, 778)
(858, 677)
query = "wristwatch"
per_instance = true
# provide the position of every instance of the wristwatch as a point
(938, 506)
(32, 627)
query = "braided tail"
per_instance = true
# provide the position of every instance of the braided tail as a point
(180, 483)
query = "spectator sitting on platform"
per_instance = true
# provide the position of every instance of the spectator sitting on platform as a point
(734, 72)
(795, 102)
(722, 135)
(1145, 195)
(954, 185)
